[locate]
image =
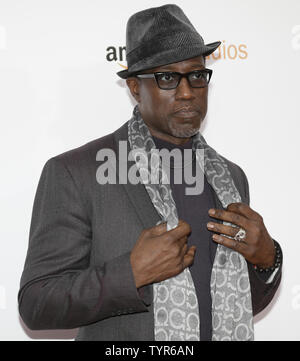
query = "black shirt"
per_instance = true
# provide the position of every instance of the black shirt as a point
(194, 210)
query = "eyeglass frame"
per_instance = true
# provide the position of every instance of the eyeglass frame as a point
(181, 75)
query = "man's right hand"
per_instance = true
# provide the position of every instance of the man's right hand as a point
(160, 254)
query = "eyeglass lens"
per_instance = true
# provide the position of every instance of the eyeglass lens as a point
(171, 80)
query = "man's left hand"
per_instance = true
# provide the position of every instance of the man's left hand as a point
(257, 247)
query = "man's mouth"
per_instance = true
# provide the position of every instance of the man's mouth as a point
(186, 113)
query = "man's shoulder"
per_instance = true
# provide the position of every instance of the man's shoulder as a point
(86, 154)
(239, 178)
(235, 170)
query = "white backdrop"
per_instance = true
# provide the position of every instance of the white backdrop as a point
(58, 90)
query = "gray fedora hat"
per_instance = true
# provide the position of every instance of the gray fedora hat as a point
(160, 36)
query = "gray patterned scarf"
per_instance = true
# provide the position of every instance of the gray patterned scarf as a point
(176, 312)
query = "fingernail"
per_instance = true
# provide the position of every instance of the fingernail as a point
(210, 225)
(212, 211)
(216, 237)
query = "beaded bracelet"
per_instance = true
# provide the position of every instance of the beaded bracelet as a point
(277, 263)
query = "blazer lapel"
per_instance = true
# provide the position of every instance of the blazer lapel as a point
(137, 193)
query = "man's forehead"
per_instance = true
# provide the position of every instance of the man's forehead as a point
(197, 62)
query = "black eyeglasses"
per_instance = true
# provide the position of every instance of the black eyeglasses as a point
(170, 80)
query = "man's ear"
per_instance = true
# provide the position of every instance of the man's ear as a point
(134, 87)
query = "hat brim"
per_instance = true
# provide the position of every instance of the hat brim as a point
(170, 57)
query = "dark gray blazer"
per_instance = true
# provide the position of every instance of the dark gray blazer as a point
(77, 271)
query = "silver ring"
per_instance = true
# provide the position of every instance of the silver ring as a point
(241, 235)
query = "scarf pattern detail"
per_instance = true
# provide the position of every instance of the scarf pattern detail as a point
(176, 312)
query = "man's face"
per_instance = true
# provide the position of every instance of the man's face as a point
(173, 115)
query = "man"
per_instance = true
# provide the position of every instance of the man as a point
(142, 260)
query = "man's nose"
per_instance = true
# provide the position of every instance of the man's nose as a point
(184, 90)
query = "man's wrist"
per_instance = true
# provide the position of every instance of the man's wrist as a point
(277, 260)
(136, 274)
